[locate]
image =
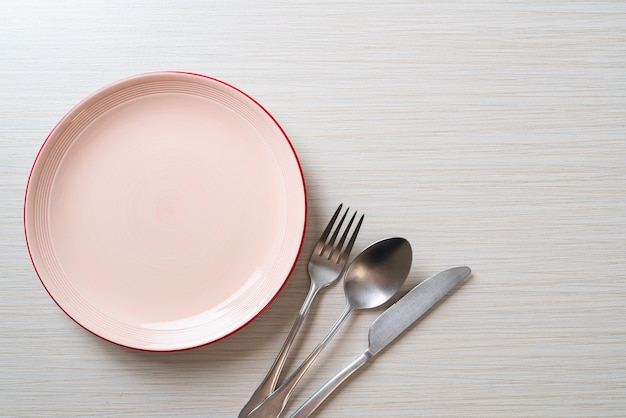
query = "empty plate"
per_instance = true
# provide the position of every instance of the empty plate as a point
(165, 211)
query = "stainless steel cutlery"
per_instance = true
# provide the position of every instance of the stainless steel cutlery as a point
(371, 279)
(389, 326)
(327, 262)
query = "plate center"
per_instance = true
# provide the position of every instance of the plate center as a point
(151, 208)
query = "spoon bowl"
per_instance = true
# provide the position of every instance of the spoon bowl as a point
(377, 273)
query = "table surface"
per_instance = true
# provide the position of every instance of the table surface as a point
(489, 134)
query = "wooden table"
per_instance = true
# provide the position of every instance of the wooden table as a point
(490, 134)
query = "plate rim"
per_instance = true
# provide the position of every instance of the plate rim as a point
(139, 76)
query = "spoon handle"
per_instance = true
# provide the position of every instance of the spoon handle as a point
(269, 383)
(322, 393)
(274, 404)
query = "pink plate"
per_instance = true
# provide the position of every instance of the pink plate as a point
(165, 211)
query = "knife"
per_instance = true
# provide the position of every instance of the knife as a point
(389, 326)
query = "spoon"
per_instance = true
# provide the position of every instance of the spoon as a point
(372, 278)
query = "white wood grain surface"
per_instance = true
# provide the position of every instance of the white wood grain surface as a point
(491, 134)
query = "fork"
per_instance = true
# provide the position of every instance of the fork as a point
(326, 264)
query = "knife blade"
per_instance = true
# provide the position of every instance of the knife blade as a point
(399, 316)
(389, 326)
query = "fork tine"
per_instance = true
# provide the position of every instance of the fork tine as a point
(319, 247)
(343, 258)
(337, 248)
(331, 241)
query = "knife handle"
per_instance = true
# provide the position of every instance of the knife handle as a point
(322, 393)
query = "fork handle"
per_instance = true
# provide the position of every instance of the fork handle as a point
(268, 384)
(274, 404)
